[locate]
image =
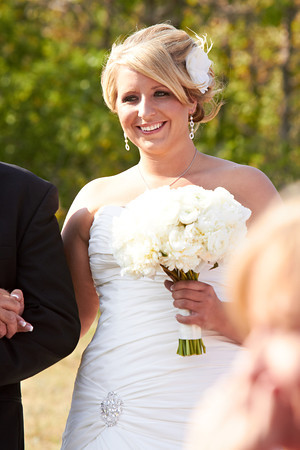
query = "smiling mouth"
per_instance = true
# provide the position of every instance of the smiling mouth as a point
(148, 128)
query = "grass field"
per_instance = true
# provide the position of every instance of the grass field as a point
(47, 399)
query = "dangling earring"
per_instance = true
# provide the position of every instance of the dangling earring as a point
(126, 143)
(192, 134)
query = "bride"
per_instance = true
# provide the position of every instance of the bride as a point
(132, 390)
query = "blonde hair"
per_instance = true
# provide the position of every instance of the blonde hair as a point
(265, 272)
(159, 52)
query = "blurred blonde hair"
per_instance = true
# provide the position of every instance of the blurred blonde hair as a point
(159, 52)
(264, 274)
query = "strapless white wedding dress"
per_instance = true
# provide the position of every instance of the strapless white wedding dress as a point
(132, 391)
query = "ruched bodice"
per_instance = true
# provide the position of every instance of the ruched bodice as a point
(132, 361)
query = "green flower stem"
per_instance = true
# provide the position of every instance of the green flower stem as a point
(188, 347)
(177, 275)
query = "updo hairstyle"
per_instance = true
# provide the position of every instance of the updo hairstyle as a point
(159, 52)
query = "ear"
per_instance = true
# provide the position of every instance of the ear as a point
(193, 107)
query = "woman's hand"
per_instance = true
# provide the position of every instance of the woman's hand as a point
(11, 308)
(207, 311)
(200, 299)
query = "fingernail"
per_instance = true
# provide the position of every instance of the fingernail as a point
(172, 287)
(29, 327)
(15, 295)
(23, 323)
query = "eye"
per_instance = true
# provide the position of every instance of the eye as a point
(161, 93)
(129, 98)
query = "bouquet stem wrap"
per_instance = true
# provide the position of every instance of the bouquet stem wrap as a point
(190, 336)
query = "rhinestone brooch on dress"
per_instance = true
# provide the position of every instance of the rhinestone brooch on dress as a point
(111, 408)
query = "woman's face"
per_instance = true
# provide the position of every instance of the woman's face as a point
(150, 114)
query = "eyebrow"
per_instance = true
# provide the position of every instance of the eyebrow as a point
(157, 86)
(134, 91)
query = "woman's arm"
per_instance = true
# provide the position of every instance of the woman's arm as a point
(75, 236)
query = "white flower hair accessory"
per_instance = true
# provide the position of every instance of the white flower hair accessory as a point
(198, 64)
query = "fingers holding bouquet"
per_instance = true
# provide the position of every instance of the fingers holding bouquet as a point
(206, 310)
(11, 309)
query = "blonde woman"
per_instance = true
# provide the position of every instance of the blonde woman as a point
(132, 390)
(258, 406)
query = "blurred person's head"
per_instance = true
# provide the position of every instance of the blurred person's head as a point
(265, 272)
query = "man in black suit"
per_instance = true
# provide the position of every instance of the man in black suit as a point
(32, 260)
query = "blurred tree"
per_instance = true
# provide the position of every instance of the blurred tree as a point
(54, 122)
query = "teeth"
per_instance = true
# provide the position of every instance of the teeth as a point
(151, 127)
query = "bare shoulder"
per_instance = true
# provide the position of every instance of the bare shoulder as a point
(248, 177)
(81, 213)
(102, 191)
(112, 190)
(250, 186)
(89, 197)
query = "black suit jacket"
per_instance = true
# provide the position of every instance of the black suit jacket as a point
(32, 259)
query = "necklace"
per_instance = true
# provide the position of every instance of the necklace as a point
(178, 178)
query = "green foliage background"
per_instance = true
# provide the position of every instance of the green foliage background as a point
(52, 116)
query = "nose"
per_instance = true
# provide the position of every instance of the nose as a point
(146, 108)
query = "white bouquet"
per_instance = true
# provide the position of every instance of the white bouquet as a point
(178, 230)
